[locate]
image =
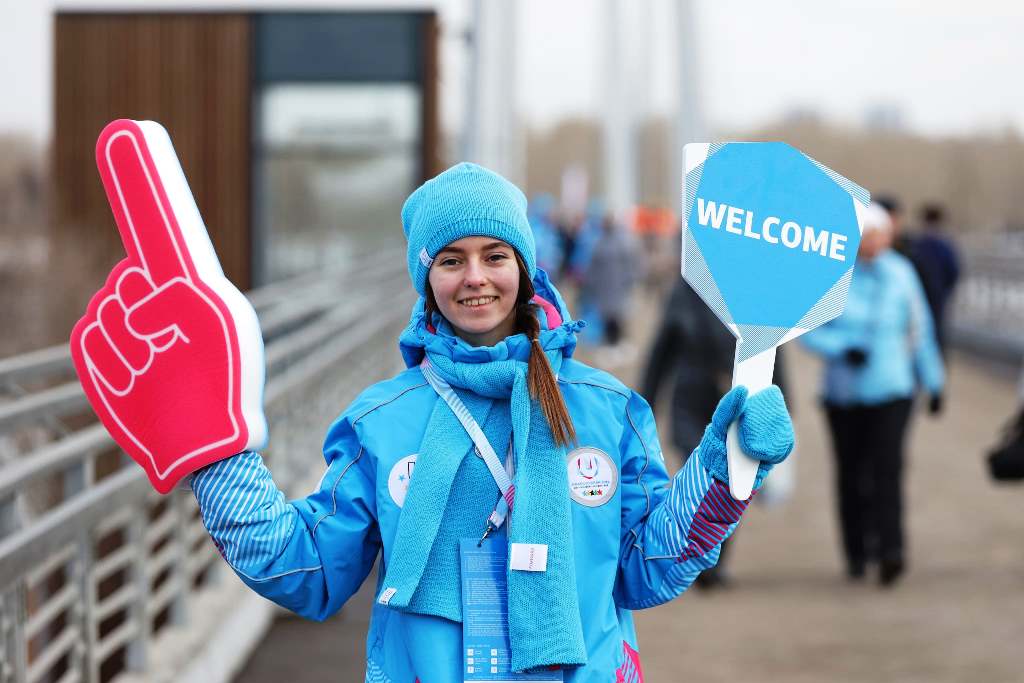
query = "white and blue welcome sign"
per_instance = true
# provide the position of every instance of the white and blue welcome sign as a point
(770, 237)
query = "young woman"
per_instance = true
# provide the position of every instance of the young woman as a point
(492, 431)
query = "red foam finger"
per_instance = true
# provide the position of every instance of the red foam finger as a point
(103, 362)
(135, 190)
(168, 352)
(160, 312)
(135, 352)
(133, 286)
(176, 307)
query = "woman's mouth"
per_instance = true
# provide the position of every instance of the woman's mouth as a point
(477, 302)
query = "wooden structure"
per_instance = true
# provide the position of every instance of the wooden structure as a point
(189, 72)
(199, 74)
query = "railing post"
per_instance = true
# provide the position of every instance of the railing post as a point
(78, 477)
(12, 512)
(12, 623)
(179, 605)
(139, 611)
(86, 606)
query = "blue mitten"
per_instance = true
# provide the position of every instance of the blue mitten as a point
(765, 431)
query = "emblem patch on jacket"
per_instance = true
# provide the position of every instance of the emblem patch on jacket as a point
(398, 480)
(592, 475)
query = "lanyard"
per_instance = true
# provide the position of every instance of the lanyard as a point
(483, 446)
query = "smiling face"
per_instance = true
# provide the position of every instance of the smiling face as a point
(475, 282)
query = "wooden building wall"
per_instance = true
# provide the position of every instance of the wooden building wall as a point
(196, 74)
(431, 161)
(191, 73)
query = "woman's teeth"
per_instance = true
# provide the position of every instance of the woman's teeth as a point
(480, 301)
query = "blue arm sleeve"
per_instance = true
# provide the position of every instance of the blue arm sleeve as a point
(672, 530)
(307, 555)
(927, 359)
(828, 340)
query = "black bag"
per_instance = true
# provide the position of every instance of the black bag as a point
(1006, 460)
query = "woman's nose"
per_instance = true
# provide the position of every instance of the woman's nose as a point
(474, 274)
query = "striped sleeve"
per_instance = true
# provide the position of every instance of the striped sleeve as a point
(681, 534)
(244, 513)
(308, 555)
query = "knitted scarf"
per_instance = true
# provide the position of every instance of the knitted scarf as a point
(451, 494)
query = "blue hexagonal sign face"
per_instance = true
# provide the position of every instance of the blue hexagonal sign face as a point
(770, 238)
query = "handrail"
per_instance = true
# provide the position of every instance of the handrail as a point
(118, 529)
(52, 457)
(56, 402)
(68, 397)
(23, 550)
(57, 358)
(35, 363)
(987, 310)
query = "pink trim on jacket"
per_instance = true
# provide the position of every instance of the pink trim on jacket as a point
(554, 319)
(630, 671)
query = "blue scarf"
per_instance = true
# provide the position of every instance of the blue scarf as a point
(423, 574)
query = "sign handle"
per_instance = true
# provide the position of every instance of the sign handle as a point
(755, 373)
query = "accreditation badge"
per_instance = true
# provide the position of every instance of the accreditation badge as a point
(487, 654)
(592, 476)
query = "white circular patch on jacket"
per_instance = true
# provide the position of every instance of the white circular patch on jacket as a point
(398, 480)
(593, 477)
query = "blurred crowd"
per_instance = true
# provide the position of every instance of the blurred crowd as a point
(885, 353)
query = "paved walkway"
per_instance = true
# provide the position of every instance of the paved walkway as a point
(789, 616)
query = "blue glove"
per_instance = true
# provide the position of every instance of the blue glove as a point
(765, 431)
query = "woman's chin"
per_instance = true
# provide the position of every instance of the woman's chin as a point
(481, 332)
(476, 329)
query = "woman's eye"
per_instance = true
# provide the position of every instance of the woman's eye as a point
(497, 257)
(449, 262)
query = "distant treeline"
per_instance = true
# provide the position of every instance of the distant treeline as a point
(27, 287)
(23, 182)
(979, 178)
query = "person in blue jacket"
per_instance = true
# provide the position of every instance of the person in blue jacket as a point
(413, 473)
(876, 355)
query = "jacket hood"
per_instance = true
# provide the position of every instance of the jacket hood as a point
(558, 332)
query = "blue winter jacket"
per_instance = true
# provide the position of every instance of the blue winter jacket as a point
(886, 316)
(640, 547)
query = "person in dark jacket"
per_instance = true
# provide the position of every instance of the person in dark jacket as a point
(937, 264)
(694, 352)
(932, 254)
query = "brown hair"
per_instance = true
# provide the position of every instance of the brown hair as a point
(539, 375)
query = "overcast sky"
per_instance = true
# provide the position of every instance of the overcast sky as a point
(947, 66)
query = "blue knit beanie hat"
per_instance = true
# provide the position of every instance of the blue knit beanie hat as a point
(466, 200)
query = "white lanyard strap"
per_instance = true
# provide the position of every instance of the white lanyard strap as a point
(483, 446)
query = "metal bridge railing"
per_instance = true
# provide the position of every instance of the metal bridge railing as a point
(101, 579)
(988, 307)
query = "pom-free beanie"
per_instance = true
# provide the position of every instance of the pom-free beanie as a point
(466, 200)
